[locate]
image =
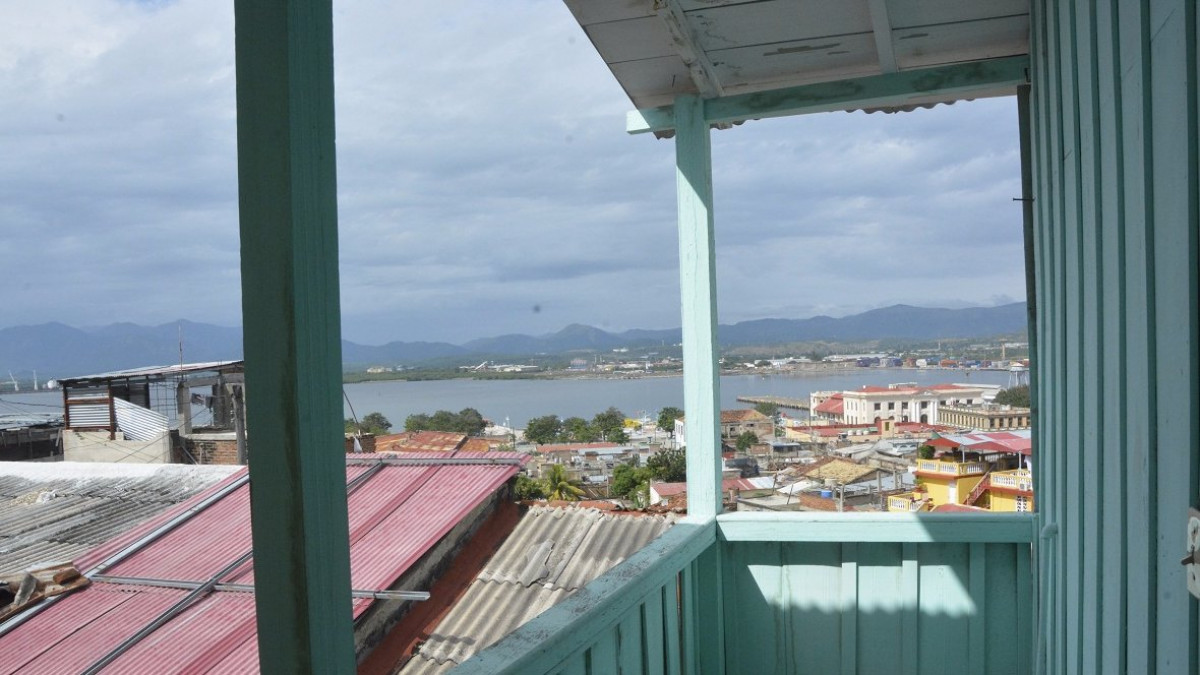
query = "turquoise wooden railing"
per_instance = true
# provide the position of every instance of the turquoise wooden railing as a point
(798, 593)
(640, 617)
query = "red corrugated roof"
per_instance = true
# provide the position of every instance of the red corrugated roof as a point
(396, 516)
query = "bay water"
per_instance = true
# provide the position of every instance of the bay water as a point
(515, 402)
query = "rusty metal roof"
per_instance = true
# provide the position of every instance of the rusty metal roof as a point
(551, 554)
(398, 512)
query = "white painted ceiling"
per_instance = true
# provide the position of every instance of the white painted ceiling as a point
(658, 49)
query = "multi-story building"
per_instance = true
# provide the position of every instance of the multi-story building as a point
(987, 417)
(907, 402)
(734, 423)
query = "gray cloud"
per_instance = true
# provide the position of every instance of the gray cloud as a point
(483, 170)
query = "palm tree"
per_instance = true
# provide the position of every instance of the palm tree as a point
(560, 486)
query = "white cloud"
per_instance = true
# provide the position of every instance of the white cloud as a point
(483, 171)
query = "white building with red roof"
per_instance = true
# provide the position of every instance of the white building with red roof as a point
(907, 402)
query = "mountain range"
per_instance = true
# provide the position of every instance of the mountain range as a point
(58, 350)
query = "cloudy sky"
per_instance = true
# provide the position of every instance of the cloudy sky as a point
(486, 184)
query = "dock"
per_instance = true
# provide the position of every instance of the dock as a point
(781, 401)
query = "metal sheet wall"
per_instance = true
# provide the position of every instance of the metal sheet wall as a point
(1115, 134)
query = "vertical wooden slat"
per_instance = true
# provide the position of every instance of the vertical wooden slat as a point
(1174, 275)
(1119, 430)
(288, 212)
(630, 656)
(910, 589)
(1113, 581)
(672, 628)
(689, 617)
(1091, 511)
(576, 665)
(849, 608)
(1026, 609)
(698, 291)
(710, 631)
(602, 656)
(977, 622)
(654, 636)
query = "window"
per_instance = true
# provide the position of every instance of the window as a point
(924, 405)
(877, 406)
(891, 405)
(904, 405)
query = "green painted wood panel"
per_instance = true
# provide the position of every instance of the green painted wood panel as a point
(287, 195)
(1117, 186)
(698, 300)
(855, 607)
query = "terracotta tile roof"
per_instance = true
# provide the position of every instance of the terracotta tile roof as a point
(479, 445)
(834, 405)
(743, 415)
(811, 502)
(420, 441)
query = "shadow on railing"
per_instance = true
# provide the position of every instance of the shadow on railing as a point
(798, 592)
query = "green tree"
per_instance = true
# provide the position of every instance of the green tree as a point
(745, 440)
(666, 419)
(768, 409)
(1015, 396)
(628, 480)
(925, 451)
(528, 488)
(610, 425)
(373, 423)
(668, 464)
(559, 485)
(545, 429)
(577, 430)
(467, 421)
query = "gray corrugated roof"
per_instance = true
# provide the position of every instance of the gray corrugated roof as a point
(54, 511)
(28, 420)
(157, 372)
(550, 554)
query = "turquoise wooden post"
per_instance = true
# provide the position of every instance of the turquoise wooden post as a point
(288, 210)
(698, 295)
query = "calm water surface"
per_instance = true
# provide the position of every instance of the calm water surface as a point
(519, 400)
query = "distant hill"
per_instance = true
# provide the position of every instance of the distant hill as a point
(58, 350)
(897, 321)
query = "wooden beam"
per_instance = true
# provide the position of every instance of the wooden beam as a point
(881, 527)
(881, 25)
(956, 81)
(704, 76)
(288, 211)
(698, 298)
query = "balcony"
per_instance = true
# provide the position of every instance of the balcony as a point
(951, 468)
(773, 592)
(1016, 479)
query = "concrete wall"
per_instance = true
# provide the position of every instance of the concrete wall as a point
(207, 448)
(95, 446)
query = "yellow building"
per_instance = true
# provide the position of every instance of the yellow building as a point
(1010, 491)
(949, 481)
